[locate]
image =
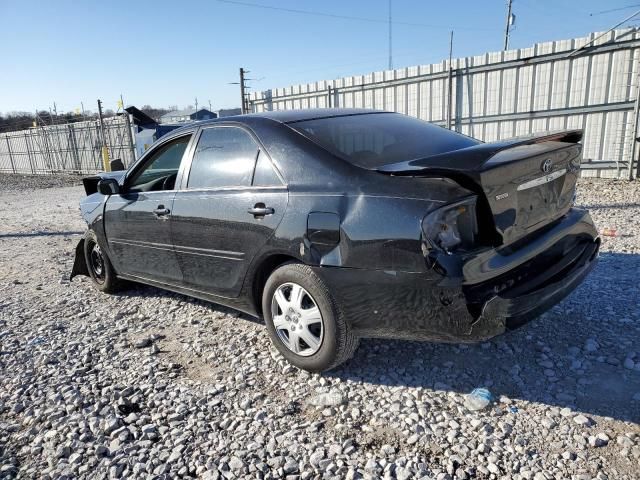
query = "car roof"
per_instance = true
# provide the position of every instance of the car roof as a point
(287, 116)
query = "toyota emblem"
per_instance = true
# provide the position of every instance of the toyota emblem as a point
(546, 165)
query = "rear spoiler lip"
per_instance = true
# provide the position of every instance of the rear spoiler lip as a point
(472, 158)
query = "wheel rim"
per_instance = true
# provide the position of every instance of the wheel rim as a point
(96, 261)
(297, 319)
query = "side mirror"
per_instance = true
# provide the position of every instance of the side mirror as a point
(116, 165)
(108, 186)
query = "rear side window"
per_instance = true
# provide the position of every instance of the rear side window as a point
(376, 139)
(224, 157)
(265, 175)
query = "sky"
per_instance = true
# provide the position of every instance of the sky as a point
(167, 53)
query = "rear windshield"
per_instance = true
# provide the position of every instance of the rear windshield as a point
(375, 139)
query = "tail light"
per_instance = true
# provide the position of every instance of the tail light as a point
(452, 227)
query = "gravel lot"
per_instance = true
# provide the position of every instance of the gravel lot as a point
(149, 384)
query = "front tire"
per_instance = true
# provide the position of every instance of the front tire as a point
(303, 320)
(99, 266)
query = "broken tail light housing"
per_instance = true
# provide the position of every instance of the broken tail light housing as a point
(452, 227)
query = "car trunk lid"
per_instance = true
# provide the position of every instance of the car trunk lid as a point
(526, 183)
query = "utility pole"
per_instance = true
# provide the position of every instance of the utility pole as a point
(210, 106)
(82, 107)
(196, 108)
(450, 82)
(243, 108)
(506, 31)
(390, 40)
(105, 151)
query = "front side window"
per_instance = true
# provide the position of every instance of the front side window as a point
(161, 169)
(224, 157)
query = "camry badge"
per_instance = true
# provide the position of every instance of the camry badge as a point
(502, 195)
(546, 165)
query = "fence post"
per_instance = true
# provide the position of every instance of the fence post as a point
(26, 140)
(105, 150)
(634, 139)
(130, 137)
(13, 167)
(450, 82)
(74, 146)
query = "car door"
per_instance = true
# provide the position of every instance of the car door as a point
(137, 221)
(227, 209)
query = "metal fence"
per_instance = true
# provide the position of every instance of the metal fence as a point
(72, 147)
(589, 83)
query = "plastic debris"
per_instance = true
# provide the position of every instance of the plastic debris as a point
(478, 399)
(609, 232)
(513, 409)
(36, 341)
(329, 399)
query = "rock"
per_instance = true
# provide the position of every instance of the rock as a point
(111, 424)
(591, 345)
(290, 467)
(624, 441)
(143, 342)
(315, 457)
(387, 450)
(582, 420)
(101, 451)
(599, 440)
(236, 464)
(63, 451)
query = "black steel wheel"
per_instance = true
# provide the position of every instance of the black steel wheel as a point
(98, 265)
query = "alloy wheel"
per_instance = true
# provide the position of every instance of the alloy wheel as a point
(297, 319)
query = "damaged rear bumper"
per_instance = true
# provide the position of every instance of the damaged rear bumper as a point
(494, 291)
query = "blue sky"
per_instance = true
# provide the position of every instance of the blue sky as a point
(169, 52)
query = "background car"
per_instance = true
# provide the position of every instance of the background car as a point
(339, 224)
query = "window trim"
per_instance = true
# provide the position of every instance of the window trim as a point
(184, 175)
(143, 161)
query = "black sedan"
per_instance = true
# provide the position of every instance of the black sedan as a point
(339, 224)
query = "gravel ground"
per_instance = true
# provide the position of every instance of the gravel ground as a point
(149, 384)
(21, 183)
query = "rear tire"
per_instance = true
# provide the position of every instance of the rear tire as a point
(99, 266)
(304, 321)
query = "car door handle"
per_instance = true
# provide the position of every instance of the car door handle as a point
(161, 211)
(261, 211)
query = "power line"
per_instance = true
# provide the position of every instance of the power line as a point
(633, 15)
(343, 17)
(614, 10)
